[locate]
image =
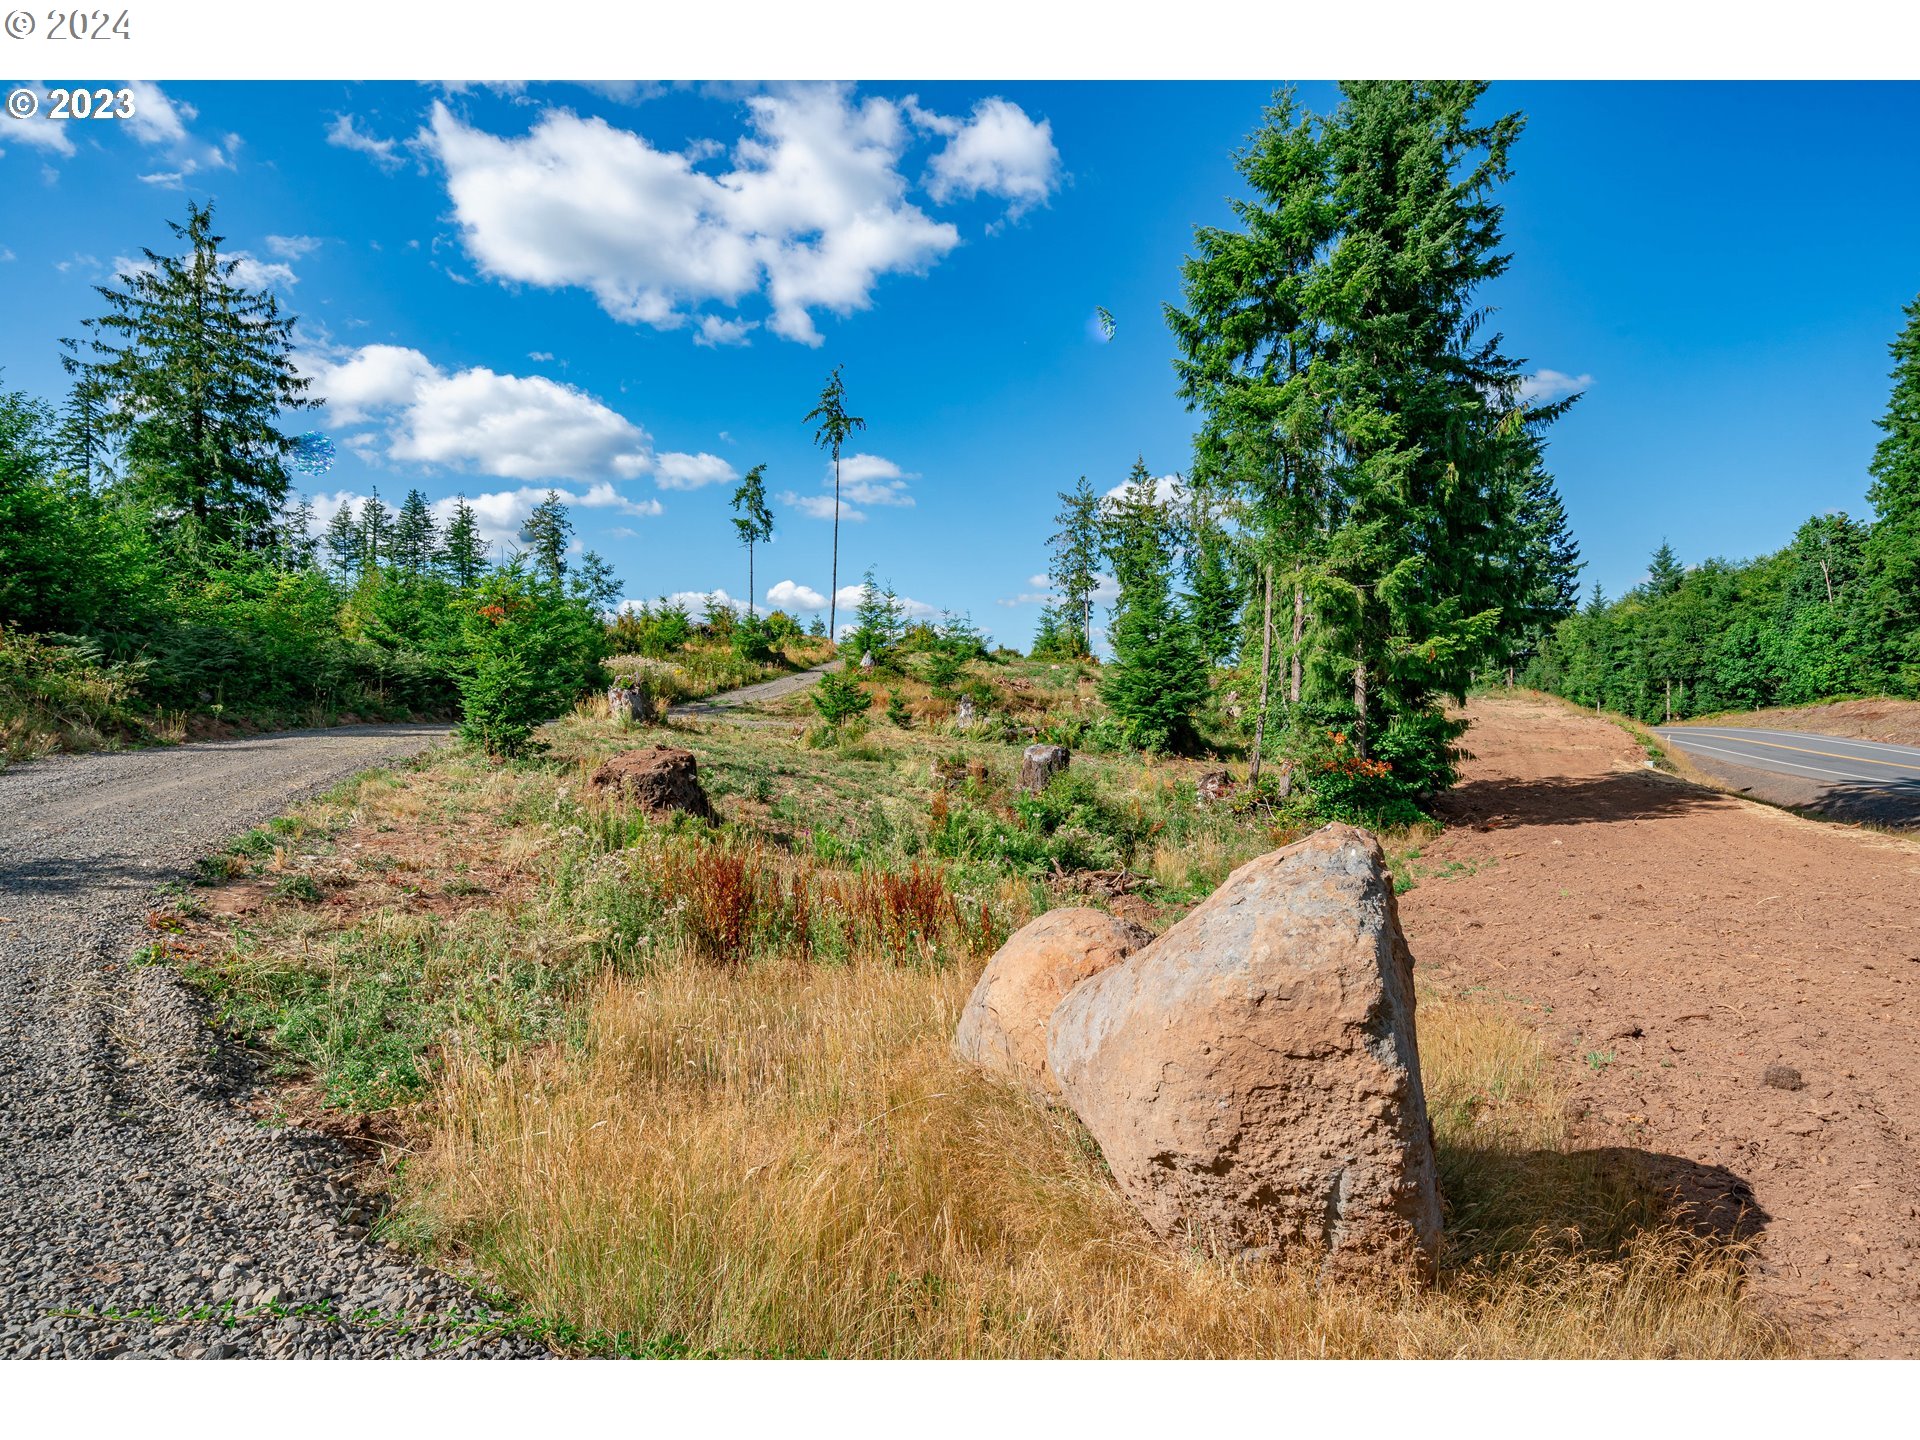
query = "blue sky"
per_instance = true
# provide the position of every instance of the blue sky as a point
(633, 294)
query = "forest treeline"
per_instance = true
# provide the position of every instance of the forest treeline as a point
(157, 562)
(1835, 613)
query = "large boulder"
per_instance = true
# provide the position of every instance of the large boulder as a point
(1252, 1076)
(1004, 1027)
(658, 779)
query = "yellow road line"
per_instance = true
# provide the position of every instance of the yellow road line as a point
(1804, 750)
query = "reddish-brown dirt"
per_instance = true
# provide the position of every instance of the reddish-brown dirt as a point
(1679, 942)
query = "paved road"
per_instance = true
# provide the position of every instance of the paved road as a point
(130, 1176)
(1860, 779)
(1792, 752)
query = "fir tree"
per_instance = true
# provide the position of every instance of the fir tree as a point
(297, 546)
(1213, 598)
(341, 541)
(1157, 679)
(415, 538)
(1895, 491)
(1074, 567)
(1891, 603)
(546, 534)
(595, 583)
(463, 554)
(376, 534)
(81, 439)
(196, 370)
(1664, 572)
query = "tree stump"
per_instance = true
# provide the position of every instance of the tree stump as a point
(1039, 764)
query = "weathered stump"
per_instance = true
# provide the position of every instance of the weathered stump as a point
(1039, 764)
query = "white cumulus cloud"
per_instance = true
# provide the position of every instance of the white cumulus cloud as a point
(517, 427)
(811, 213)
(675, 470)
(999, 150)
(864, 480)
(791, 595)
(42, 132)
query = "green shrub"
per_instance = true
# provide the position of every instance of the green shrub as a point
(839, 699)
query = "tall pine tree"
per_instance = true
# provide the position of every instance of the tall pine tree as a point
(198, 369)
(415, 538)
(1073, 566)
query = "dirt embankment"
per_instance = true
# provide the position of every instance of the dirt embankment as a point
(1892, 722)
(1678, 943)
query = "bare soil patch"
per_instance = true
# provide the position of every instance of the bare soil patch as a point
(1675, 943)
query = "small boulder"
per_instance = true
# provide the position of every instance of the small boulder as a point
(658, 779)
(1004, 1027)
(1039, 764)
(1252, 1076)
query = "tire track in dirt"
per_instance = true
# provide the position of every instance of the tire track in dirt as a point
(1686, 941)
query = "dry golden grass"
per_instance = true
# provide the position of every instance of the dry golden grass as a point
(789, 1160)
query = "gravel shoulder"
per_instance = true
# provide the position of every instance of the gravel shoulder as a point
(1681, 942)
(133, 1179)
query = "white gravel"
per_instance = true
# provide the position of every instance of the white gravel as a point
(131, 1179)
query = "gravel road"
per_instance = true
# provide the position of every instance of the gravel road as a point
(132, 1179)
(729, 703)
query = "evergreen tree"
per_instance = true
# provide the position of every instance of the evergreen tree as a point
(376, 534)
(1895, 491)
(1664, 572)
(81, 439)
(1425, 413)
(546, 534)
(1048, 642)
(415, 538)
(835, 425)
(1073, 566)
(1253, 346)
(195, 370)
(1157, 679)
(753, 522)
(878, 623)
(341, 541)
(463, 554)
(1891, 603)
(297, 547)
(1213, 598)
(595, 583)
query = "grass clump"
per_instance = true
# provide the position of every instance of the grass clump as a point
(794, 1163)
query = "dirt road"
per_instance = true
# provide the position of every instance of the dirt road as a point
(729, 703)
(130, 1179)
(1686, 941)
